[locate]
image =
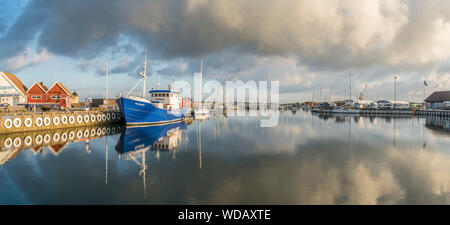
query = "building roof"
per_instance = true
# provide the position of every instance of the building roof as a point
(43, 86)
(439, 96)
(19, 85)
(40, 85)
(62, 87)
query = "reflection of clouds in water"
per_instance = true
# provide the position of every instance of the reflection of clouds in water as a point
(322, 169)
(249, 165)
(320, 175)
(426, 174)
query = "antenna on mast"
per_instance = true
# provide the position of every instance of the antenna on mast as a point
(201, 66)
(144, 74)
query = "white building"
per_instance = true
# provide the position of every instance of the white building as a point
(12, 90)
(400, 105)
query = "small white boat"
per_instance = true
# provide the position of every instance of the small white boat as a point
(201, 113)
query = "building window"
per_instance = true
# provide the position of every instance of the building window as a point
(36, 97)
(56, 97)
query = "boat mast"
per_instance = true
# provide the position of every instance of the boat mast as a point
(201, 67)
(107, 82)
(350, 84)
(144, 74)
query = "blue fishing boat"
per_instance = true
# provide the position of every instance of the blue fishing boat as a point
(164, 106)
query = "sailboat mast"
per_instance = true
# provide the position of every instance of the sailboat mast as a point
(350, 84)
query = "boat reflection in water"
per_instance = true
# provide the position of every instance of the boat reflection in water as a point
(134, 142)
(163, 137)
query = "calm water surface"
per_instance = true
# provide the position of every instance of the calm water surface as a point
(306, 159)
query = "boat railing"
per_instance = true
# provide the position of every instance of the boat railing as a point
(133, 95)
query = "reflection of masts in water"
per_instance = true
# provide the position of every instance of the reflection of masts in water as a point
(143, 166)
(186, 139)
(424, 143)
(350, 135)
(395, 133)
(157, 156)
(199, 143)
(174, 154)
(106, 161)
(143, 170)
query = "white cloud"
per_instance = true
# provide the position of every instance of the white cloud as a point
(26, 59)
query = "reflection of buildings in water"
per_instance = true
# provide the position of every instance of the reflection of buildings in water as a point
(57, 148)
(220, 125)
(6, 155)
(373, 119)
(169, 142)
(438, 125)
(53, 140)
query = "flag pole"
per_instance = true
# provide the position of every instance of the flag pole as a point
(424, 89)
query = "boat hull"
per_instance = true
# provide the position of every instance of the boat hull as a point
(137, 113)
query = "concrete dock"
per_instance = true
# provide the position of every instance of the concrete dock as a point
(34, 121)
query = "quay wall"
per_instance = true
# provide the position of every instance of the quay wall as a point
(35, 121)
(420, 113)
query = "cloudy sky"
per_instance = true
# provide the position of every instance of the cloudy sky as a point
(306, 45)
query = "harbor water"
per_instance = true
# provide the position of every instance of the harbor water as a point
(306, 159)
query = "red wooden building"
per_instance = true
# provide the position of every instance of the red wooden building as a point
(58, 94)
(37, 94)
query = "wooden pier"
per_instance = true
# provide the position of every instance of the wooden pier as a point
(33, 121)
